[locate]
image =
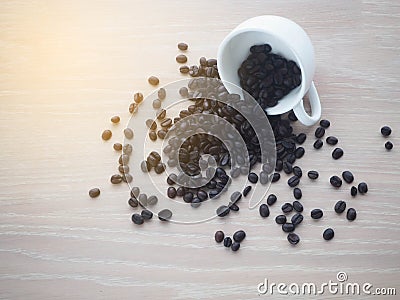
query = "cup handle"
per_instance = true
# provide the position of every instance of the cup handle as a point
(315, 103)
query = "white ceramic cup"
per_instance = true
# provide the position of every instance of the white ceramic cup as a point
(286, 39)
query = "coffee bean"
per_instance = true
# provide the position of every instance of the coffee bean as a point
(128, 133)
(293, 238)
(227, 242)
(233, 207)
(153, 80)
(340, 206)
(253, 177)
(318, 144)
(223, 211)
(196, 202)
(297, 219)
(299, 152)
(337, 153)
(317, 213)
(95, 192)
(162, 94)
(183, 91)
(135, 191)
(389, 145)
(152, 200)
(362, 188)
(145, 166)
(152, 135)
(235, 246)
(348, 176)
(351, 214)
(280, 219)
(279, 165)
(287, 207)
(246, 190)
(331, 140)
(301, 137)
(293, 181)
(312, 174)
(115, 119)
(239, 236)
(138, 97)
(165, 215)
(146, 214)
(264, 210)
(335, 181)
(116, 179)
(386, 130)
(202, 195)
(127, 149)
(171, 192)
(127, 178)
(319, 132)
(143, 201)
(182, 46)
(151, 124)
(271, 199)
(184, 69)
(292, 117)
(161, 113)
(353, 191)
(287, 167)
(133, 107)
(219, 236)
(117, 147)
(236, 196)
(181, 58)
(133, 202)
(137, 219)
(288, 227)
(123, 159)
(297, 193)
(297, 206)
(106, 135)
(297, 171)
(328, 234)
(166, 123)
(156, 103)
(324, 123)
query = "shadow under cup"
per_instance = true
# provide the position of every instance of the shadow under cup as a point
(236, 48)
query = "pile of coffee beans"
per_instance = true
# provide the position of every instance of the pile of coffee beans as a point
(234, 244)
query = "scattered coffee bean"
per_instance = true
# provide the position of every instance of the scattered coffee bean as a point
(264, 177)
(297, 219)
(133, 107)
(133, 202)
(293, 238)
(156, 103)
(152, 200)
(196, 202)
(340, 206)
(253, 177)
(184, 69)
(318, 144)
(299, 152)
(236, 196)
(293, 181)
(348, 176)
(223, 211)
(287, 207)
(227, 242)
(292, 117)
(128, 133)
(353, 191)
(246, 190)
(115, 119)
(106, 135)
(271, 199)
(127, 149)
(264, 210)
(287, 167)
(331, 140)
(301, 137)
(279, 165)
(143, 200)
(219, 236)
(123, 169)
(138, 97)
(239, 236)
(362, 188)
(235, 246)
(313, 174)
(162, 134)
(324, 123)
(386, 130)
(297, 193)
(233, 207)
(146, 214)
(116, 179)
(288, 227)
(319, 132)
(135, 191)
(183, 91)
(351, 214)
(280, 219)
(165, 215)
(297, 171)
(328, 234)
(95, 192)
(181, 58)
(171, 192)
(182, 46)
(127, 178)
(317, 213)
(389, 145)
(162, 94)
(117, 147)
(337, 153)
(335, 181)
(152, 135)
(151, 124)
(297, 206)
(137, 219)
(153, 80)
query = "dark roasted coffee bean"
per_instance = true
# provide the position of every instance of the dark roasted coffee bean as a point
(348, 176)
(246, 190)
(181, 58)
(184, 69)
(202, 195)
(264, 177)
(328, 234)
(116, 179)
(324, 123)
(227, 242)
(340, 206)
(297, 171)
(171, 192)
(389, 145)
(301, 137)
(264, 210)
(353, 191)
(219, 236)
(299, 152)
(351, 214)
(142, 200)
(318, 144)
(293, 238)
(297, 219)
(292, 117)
(287, 207)
(223, 211)
(362, 187)
(152, 200)
(137, 219)
(165, 215)
(319, 132)
(331, 140)
(239, 236)
(182, 46)
(153, 80)
(267, 168)
(288, 227)
(233, 207)
(317, 213)
(172, 178)
(196, 202)
(106, 135)
(188, 197)
(133, 202)
(297, 206)
(235, 246)
(335, 181)
(297, 193)
(95, 192)
(312, 174)
(159, 168)
(291, 158)
(293, 181)
(275, 177)
(386, 130)
(279, 165)
(271, 199)
(236, 196)
(287, 167)
(280, 219)
(146, 214)
(337, 153)
(253, 177)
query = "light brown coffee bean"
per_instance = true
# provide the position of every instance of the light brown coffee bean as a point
(162, 93)
(116, 179)
(181, 58)
(138, 97)
(156, 103)
(95, 192)
(153, 80)
(153, 135)
(151, 124)
(133, 108)
(117, 147)
(128, 133)
(183, 46)
(106, 135)
(115, 119)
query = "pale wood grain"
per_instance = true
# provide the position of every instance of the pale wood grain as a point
(68, 66)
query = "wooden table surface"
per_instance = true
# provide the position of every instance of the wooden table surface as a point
(68, 66)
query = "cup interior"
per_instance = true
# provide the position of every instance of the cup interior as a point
(235, 49)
